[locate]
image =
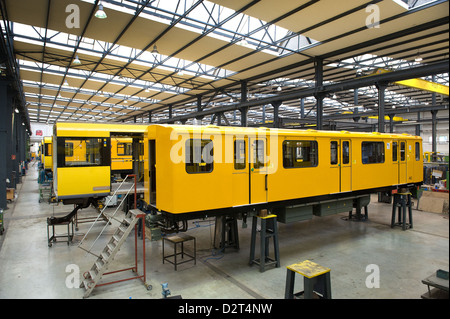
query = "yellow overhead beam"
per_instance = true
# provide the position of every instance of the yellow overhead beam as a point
(419, 84)
(395, 119)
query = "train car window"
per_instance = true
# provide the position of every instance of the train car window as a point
(372, 152)
(297, 154)
(402, 151)
(345, 152)
(394, 151)
(199, 156)
(333, 153)
(124, 149)
(258, 154)
(68, 149)
(76, 152)
(47, 149)
(239, 154)
(418, 154)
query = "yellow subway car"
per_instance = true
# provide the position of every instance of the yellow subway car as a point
(47, 153)
(193, 171)
(82, 158)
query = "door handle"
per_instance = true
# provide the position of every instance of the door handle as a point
(266, 182)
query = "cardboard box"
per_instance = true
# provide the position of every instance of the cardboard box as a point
(434, 202)
(9, 193)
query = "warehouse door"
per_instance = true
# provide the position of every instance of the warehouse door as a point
(346, 166)
(258, 170)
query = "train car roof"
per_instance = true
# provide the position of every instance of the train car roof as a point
(211, 129)
(97, 129)
(47, 139)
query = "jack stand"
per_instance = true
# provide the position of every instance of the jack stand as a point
(227, 231)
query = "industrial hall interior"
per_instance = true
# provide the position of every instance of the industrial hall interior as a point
(224, 150)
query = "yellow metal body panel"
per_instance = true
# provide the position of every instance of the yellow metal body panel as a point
(82, 181)
(225, 186)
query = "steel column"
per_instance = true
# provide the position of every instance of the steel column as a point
(318, 65)
(276, 106)
(381, 96)
(433, 135)
(5, 139)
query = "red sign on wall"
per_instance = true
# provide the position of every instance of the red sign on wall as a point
(38, 132)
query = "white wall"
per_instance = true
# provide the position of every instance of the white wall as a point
(47, 130)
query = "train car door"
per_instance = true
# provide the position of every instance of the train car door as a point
(258, 170)
(395, 160)
(240, 172)
(346, 166)
(402, 166)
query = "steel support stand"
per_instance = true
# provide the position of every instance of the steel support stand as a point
(268, 230)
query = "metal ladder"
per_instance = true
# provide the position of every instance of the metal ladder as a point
(93, 276)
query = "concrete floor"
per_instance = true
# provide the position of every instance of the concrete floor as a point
(31, 269)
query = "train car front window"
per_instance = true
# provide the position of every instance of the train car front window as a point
(76, 152)
(199, 156)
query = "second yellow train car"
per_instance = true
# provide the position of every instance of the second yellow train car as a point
(47, 153)
(82, 158)
(194, 171)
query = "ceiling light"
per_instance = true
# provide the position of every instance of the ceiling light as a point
(16, 110)
(418, 57)
(243, 42)
(279, 88)
(155, 50)
(66, 83)
(100, 13)
(76, 60)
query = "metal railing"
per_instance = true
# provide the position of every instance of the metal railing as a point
(112, 216)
